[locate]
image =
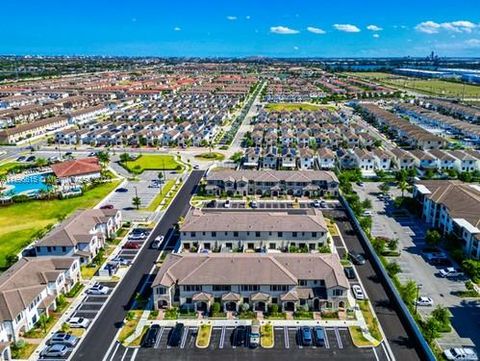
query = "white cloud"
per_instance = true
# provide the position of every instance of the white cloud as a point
(231, 18)
(176, 28)
(374, 28)
(316, 30)
(134, 20)
(473, 43)
(348, 28)
(248, 17)
(459, 26)
(295, 48)
(376, 36)
(284, 30)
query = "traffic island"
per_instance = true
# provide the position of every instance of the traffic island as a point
(203, 336)
(266, 336)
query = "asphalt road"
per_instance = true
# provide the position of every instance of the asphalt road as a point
(403, 348)
(102, 332)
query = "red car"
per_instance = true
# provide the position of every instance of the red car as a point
(131, 245)
(107, 206)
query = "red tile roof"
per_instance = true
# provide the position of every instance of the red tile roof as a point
(76, 167)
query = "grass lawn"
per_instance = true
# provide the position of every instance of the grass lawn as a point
(430, 86)
(5, 167)
(210, 156)
(160, 196)
(23, 352)
(21, 221)
(372, 322)
(138, 340)
(203, 337)
(152, 162)
(358, 339)
(290, 107)
(266, 339)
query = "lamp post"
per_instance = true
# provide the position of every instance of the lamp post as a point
(419, 286)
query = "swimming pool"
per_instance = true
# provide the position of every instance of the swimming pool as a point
(29, 185)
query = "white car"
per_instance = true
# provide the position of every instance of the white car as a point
(424, 301)
(358, 292)
(78, 322)
(56, 350)
(157, 242)
(227, 204)
(450, 272)
(316, 203)
(367, 213)
(98, 289)
(460, 353)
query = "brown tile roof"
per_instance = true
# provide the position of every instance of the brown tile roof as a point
(76, 167)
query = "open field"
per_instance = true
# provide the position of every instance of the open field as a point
(152, 162)
(428, 86)
(290, 107)
(21, 221)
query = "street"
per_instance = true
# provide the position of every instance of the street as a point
(101, 334)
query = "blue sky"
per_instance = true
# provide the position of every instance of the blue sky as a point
(241, 28)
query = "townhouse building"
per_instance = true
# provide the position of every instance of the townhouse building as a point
(82, 235)
(291, 281)
(273, 183)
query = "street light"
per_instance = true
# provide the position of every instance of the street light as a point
(419, 286)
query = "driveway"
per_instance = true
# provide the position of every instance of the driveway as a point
(410, 231)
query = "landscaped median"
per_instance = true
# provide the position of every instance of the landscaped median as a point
(359, 339)
(266, 336)
(210, 156)
(371, 320)
(203, 336)
(163, 198)
(132, 319)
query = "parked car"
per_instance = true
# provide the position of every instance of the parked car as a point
(316, 203)
(357, 258)
(424, 301)
(323, 204)
(212, 204)
(349, 272)
(30, 159)
(137, 234)
(367, 213)
(176, 335)
(122, 261)
(63, 338)
(358, 292)
(151, 337)
(78, 322)
(121, 190)
(56, 350)
(450, 272)
(460, 353)
(227, 204)
(98, 289)
(238, 336)
(360, 184)
(254, 336)
(157, 242)
(196, 166)
(306, 336)
(21, 158)
(107, 206)
(132, 245)
(253, 204)
(319, 335)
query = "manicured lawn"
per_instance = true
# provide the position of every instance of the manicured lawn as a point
(139, 339)
(23, 352)
(21, 221)
(357, 337)
(130, 326)
(290, 107)
(210, 156)
(266, 338)
(152, 162)
(372, 322)
(160, 196)
(5, 167)
(203, 337)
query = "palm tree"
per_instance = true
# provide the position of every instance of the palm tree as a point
(41, 162)
(3, 179)
(103, 158)
(160, 177)
(51, 181)
(403, 186)
(136, 201)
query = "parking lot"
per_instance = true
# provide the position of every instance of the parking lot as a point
(338, 345)
(268, 204)
(88, 308)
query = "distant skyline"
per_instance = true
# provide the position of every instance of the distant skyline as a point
(241, 28)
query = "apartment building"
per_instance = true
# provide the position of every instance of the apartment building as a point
(196, 281)
(454, 208)
(33, 130)
(227, 230)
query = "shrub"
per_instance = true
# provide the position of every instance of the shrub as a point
(216, 307)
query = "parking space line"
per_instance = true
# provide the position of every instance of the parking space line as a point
(285, 335)
(385, 350)
(339, 339)
(222, 337)
(327, 343)
(114, 351)
(375, 353)
(184, 338)
(124, 354)
(134, 355)
(159, 338)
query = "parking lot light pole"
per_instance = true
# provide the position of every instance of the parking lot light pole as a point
(419, 286)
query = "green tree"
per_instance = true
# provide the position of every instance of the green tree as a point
(431, 329)
(103, 158)
(442, 315)
(408, 292)
(237, 157)
(41, 162)
(433, 237)
(392, 244)
(384, 187)
(137, 201)
(124, 157)
(393, 268)
(216, 307)
(3, 179)
(472, 268)
(42, 321)
(160, 176)
(403, 185)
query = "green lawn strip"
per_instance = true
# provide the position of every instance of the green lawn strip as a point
(152, 162)
(139, 339)
(160, 196)
(20, 222)
(23, 351)
(130, 325)
(372, 322)
(358, 339)
(290, 107)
